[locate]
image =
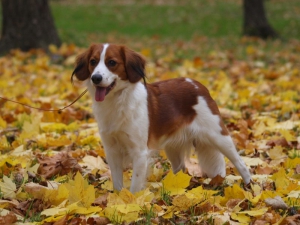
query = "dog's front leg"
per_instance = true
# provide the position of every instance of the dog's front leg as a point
(115, 162)
(114, 158)
(140, 166)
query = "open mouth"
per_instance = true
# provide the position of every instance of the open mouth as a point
(101, 92)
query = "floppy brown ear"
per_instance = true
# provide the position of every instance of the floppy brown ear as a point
(81, 70)
(134, 65)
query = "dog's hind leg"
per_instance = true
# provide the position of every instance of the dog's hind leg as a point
(176, 155)
(226, 146)
(211, 161)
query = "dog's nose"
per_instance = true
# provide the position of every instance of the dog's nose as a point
(97, 78)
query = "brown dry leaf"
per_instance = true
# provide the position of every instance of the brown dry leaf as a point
(98, 221)
(60, 163)
(291, 220)
(280, 141)
(101, 201)
(62, 221)
(264, 170)
(271, 217)
(232, 203)
(260, 222)
(31, 207)
(217, 181)
(193, 167)
(297, 169)
(9, 218)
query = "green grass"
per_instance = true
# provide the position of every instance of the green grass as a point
(186, 28)
(90, 21)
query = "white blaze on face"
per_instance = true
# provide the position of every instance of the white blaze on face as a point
(107, 76)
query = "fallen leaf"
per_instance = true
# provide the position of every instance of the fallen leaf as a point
(176, 183)
(9, 218)
(8, 188)
(61, 164)
(276, 203)
(82, 193)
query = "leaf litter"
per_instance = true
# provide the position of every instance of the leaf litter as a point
(53, 165)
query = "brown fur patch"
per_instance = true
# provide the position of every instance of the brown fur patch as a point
(83, 68)
(129, 64)
(170, 105)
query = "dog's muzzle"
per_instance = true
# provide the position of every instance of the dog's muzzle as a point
(97, 78)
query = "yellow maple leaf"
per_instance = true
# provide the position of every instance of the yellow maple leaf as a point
(125, 205)
(127, 196)
(55, 211)
(31, 128)
(288, 135)
(184, 202)
(8, 188)
(90, 140)
(119, 213)
(114, 199)
(176, 183)
(269, 194)
(255, 212)
(259, 128)
(84, 210)
(170, 212)
(53, 127)
(93, 163)
(60, 196)
(276, 152)
(280, 179)
(59, 141)
(156, 174)
(80, 191)
(292, 163)
(107, 185)
(143, 197)
(52, 194)
(3, 123)
(242, 218)
(234, 192)
(4, 144)
(202, 194)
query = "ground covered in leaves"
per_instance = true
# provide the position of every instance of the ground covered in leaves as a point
(53, 168)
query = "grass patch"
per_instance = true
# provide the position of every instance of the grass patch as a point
(91, 21)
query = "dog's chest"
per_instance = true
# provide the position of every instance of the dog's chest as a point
(126, 111)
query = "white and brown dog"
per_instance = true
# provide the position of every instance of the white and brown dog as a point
(136, 118)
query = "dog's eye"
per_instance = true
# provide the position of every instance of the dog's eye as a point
(93, 62)
(112, 62)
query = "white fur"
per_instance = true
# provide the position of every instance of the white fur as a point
(123, 123)
(192, 82)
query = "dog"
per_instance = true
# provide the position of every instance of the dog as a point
(135, 118)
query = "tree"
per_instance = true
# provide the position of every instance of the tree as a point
(255, 20)
(26, 25)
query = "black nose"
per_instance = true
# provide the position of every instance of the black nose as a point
(97, 78)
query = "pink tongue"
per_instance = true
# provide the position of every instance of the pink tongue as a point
(100, 94)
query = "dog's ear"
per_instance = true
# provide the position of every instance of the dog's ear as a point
(81, 70)
(134, 65)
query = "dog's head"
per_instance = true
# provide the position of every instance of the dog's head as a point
(105, 64)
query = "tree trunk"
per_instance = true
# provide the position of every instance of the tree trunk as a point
(27, 24)
(255, 20)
